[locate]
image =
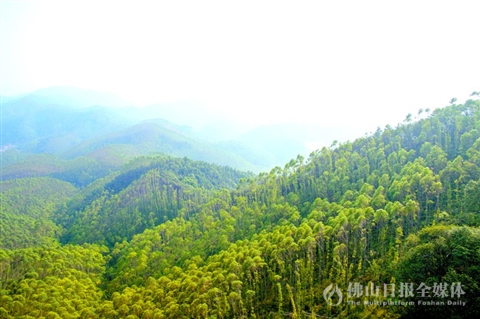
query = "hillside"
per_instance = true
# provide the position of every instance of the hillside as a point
(27, 206)
(173, 238)
(148, 191)
(79, 171)
(159, 136)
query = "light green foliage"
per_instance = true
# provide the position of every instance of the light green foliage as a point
(51, 281)
(27, 205)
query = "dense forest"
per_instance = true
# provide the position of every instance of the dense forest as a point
(390, 218)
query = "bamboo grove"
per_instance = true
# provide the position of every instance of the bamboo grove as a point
(172, 238)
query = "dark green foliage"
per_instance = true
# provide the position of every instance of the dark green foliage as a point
(444, 255)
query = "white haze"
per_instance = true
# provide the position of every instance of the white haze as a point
(344, 66)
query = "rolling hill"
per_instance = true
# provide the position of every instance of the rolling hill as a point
(71, 122)
(159, 136)
(36, 124)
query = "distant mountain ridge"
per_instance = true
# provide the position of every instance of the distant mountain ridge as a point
(70, 122)
(159, 136)
(48, 122)
(74, 97)
(54, 119)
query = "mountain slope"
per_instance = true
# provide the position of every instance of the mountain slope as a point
(146, 192)
(35, 124)
(79, 171)
(158, 136)
(75, 122)
(27, 206)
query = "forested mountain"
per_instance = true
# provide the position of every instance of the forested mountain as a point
(173, 238)
(159, 136)
(146, 192)
(96, 158)
(37, 124)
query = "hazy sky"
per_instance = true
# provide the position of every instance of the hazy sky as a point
(352, 64)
